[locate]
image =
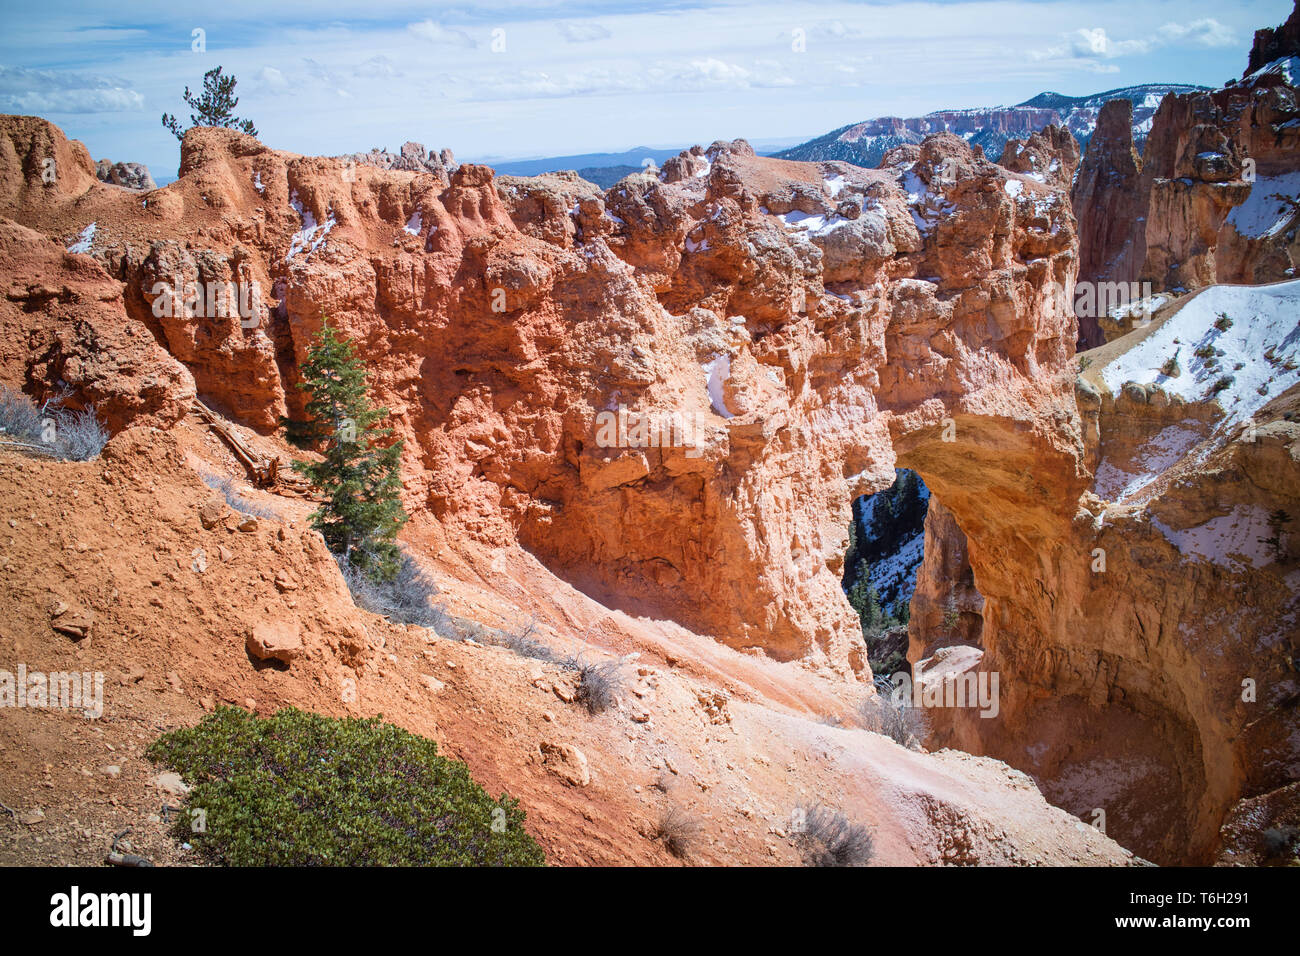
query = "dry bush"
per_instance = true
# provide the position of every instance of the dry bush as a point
(77, 435)
(523, 643)
(899, 721)
(677, 830)
(598, 684)
(407, 598)
(227, 488)
(829, 838)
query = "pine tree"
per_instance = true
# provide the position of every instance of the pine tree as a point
(902, 611)
(216, 107)
(360, 477)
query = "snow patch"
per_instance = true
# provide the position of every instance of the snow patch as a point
(1265, 320)
(834, 184)
(311, 237)
(1231, 540)
(926, 206)
(84, 240)
(716, 371)
(1288, 67)
(896, 574)
(1269, 207)
(1160, 453)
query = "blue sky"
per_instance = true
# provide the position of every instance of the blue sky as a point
(548, 77)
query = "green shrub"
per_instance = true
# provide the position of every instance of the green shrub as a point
(299, 789)
(1223, 323)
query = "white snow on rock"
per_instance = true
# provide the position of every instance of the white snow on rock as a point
(834, 184)
(1013, 187)
(815, 224)
(1265, 321)
(926, 206)
(257, 182)
(1231, 540)
(311, 237)
(716, 371)
(1160, 453)
(1288, 67)
(1269, 207)
(414, 224)
(84, 240)
(1142, 308)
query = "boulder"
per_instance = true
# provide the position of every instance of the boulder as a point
(275, 640)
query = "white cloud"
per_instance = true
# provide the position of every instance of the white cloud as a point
(377, 66)
(270, 80)
(444, 36)
(582, 31)
(836, 30)
(1096, 43)
(1204, 32)
(1086, 46)
(669, 71)
(56, 91)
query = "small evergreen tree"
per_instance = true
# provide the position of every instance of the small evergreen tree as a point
(864, 599)
(902, 611)
(360, 477)
(216, 107)
(1276, 522)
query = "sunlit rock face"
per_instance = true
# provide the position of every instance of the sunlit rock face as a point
(671, 391)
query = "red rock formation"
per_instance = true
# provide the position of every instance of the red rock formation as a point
(1274, 43)
(505, 327)
(946, 608)
(1105, 200)
(1218, 194)
(63, 325)
(1049, 155)
(794, 331)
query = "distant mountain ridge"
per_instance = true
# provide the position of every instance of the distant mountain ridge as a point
(864, 143)
(631, 158)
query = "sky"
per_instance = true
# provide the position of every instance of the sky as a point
(500, 79)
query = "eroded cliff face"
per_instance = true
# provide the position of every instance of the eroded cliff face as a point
(946, 608)
(1213, 197)
(1105, 198)
(1154, 676)
(791, 321)
(789, 332)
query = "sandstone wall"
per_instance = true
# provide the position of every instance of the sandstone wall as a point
(1212, 199)
(817, 324)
